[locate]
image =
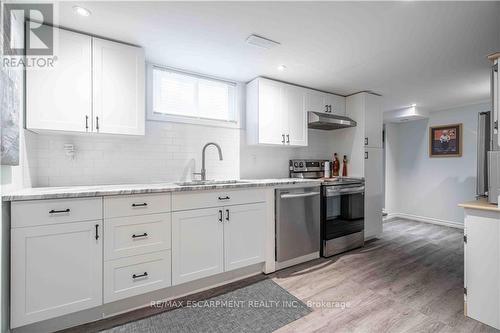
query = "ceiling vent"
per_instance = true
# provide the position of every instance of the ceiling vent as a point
(261, 42)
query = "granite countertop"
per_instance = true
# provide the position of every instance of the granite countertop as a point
(481, 204)
(37, 193)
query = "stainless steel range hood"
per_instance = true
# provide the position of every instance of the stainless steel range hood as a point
(325, 121)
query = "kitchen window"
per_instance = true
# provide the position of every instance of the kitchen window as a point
(190, 98)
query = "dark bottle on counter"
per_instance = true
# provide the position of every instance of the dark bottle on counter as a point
(344, 166)
(335, 166)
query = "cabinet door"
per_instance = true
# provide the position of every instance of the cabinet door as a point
(315, 101)
(270, 113)
(293, 107)
(60, 98)
(373, 121)
(55, 270)
(482, 263)
(373, 192)
(197, 244)
(244, 235)
(119, 88)
(337, 104)
(496, 97)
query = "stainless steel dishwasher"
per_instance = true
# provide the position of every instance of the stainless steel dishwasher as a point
(297, 225)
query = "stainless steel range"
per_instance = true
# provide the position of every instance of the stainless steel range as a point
(342, 207)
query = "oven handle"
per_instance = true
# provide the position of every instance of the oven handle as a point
(299, 195)
(345, 191)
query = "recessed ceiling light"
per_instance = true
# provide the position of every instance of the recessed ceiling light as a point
(282, 68)
(413, 105)
(81, 11)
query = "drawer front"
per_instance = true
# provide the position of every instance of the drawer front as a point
(136, 275)
(131, 205)
(206, 199)
(43, 212)
(134, 235)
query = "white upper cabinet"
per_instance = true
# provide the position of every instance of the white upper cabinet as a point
(275, 114)
(373, 122)
(96, 86)
(326, 103)
(60, 98)
(495, 94)
(315, 101)
(294, 116)
(336, 104)
(271, 126)
(119, 88)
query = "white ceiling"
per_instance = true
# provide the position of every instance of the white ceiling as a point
(429, 53)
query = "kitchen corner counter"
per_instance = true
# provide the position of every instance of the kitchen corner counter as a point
(38, 193)
(481, 204)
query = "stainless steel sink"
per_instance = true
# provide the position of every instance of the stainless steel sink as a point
(210, 182)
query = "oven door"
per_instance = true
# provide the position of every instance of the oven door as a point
(343, 211)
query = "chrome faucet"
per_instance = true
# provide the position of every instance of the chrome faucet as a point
(203, 172)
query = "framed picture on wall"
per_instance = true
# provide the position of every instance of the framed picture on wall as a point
(445, 141)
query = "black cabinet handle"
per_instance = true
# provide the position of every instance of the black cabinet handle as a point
(220, 215)
(326, 108)
(86, 123)
(139, 204)
(224, 198)
(97, 123)
(366, 141)
(139, 236)
(366, 155)
(283, 138)
(134, 276)
(227, 214)
(288, 138)
(97, 231)
(59, 211)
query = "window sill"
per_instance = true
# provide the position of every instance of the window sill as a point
(193, 121)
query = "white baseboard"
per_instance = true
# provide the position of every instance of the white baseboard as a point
(424, 219)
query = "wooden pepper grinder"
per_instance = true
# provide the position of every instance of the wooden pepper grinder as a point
(336, 165)
(344, 166)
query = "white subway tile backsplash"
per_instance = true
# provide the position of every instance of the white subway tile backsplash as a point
(169, 152)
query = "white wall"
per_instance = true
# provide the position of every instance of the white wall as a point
(420, 186)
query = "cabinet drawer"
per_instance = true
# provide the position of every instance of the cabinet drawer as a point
(42, 212)
(129, 236)
(136, 275)
(130, 205)
(194, 200)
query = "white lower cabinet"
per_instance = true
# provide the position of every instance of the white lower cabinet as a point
(215, 240)
(374, 193)
(56, 269)
(69, 255)
(136, 275)
(134, 235)
(197, 244)
(482, 266)
(244, 235)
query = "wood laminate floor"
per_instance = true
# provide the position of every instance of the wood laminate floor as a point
(408, 280)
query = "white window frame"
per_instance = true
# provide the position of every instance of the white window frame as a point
(151, 115)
